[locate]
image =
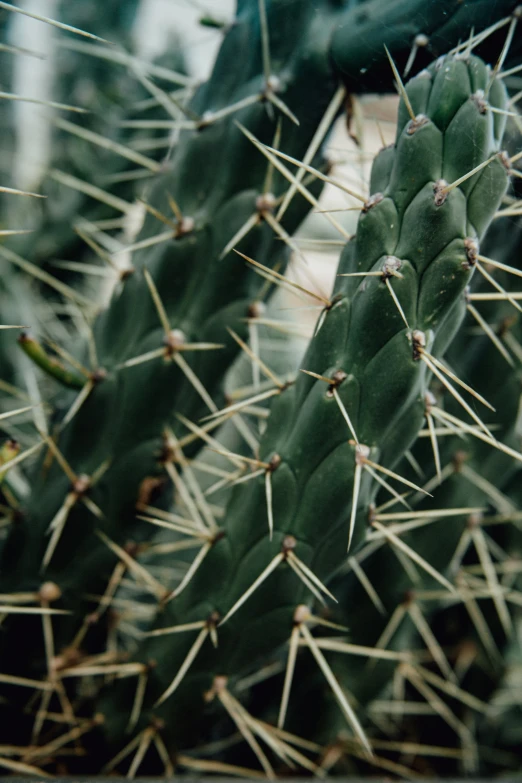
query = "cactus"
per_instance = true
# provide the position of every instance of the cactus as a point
(117, 454)
(469, 636)
(307, 437)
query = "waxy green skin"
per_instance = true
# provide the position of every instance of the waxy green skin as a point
(363, 335)
(468, 356)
